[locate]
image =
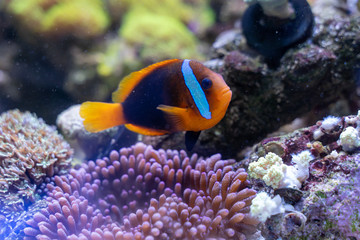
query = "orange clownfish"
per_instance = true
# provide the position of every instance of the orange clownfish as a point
(166, 97)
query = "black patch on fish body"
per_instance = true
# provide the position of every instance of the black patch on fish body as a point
(158, 87)
(191, 139)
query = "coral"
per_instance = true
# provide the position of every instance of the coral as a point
(276, 174)
(329, 123)
(114, 59)
(349, 139)
(259, 169)
(270, 168)
(334, 202)
(161, 33)
(11, 227)
(344, 207)
(61, 18)
(30, 150)
(330, 126)
(140, 193)
(158, 37)
(302, 161)
(197, 15)
(263, 206)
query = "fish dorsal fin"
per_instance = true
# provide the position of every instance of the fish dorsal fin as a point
(195, 90)
(128, 83)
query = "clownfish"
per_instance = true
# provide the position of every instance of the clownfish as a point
(166, 97)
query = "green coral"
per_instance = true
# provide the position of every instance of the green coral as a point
(61, 18)
(196, 12)
(158, 36)
(161, 7)
(114, 59)
(160, 29)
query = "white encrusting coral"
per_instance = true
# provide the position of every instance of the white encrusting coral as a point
(302, 161)
(349, 139)
(329, 123)
(269, 168)
(263, 206)
(276, 174)
(317, 134)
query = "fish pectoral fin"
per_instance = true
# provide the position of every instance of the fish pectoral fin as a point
(191, 139)
(145, 131)
(176, 116)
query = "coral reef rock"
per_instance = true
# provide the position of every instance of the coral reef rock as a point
(326, 206)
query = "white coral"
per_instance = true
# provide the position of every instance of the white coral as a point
(260, 168)
(349, 139)
(302, 161)
(329, 123)
(291, 179)
(317, 134)
(276, 174)
(269, 168)
(263, 206)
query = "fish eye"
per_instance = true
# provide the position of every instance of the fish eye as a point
(206, 83)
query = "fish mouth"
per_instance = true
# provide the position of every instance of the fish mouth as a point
(225, 93)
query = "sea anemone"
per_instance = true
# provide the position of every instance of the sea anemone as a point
(141, 193)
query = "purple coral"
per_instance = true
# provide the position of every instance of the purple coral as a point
(344, 206)
(140, 193)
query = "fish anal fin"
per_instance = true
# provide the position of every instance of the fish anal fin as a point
(128, 83)
(177, 116)
(145, 131)
(99, 116)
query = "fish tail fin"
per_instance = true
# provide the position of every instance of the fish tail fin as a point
(99, 116)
